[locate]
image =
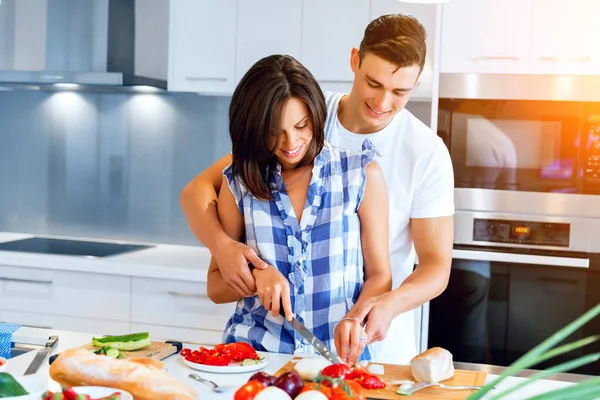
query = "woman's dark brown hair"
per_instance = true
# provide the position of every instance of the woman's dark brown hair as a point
(255, 118)
(397, 38)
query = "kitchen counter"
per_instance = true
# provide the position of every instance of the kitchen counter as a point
(177, 369)
(163, 261)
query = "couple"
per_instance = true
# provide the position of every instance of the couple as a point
(303, 191)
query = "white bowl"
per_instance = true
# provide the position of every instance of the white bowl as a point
(101, 391)
(3, 362)
(35, 386)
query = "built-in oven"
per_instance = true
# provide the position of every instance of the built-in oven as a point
(515, 281)
(526, 261)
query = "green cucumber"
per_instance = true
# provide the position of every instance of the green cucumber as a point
(134, 341)
(113, 353)
(249, 361)
(9, 387)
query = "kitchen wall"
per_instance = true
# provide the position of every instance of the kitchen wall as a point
(107, 165)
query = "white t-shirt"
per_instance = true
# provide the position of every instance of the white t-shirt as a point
(418, 173)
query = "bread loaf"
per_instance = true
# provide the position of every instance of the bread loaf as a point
(433, 365)
(145, 381)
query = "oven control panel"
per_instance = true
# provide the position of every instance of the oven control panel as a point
(521, 232)
(592, 161)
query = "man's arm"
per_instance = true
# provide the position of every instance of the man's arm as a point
(433, 239)
(199, 204)
(233, 226)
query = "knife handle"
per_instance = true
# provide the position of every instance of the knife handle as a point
(178, 345)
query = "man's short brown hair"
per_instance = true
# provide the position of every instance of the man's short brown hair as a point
(397, 38)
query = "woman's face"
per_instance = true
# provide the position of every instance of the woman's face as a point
(295, 133)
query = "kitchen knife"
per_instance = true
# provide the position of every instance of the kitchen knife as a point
(315, 342)
(41, 355)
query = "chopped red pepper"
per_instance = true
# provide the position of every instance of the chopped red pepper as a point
(340, 371)
(366, 379)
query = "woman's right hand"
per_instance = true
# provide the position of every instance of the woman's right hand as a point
(233, 257)
(273, 291)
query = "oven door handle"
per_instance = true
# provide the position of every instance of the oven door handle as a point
(515, 258)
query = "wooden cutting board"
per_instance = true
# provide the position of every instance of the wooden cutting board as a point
(402, 372)
(156, 350)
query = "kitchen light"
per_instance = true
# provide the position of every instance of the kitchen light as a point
(146, 89)
(66, 85)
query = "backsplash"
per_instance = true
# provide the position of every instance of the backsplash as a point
(107, 165)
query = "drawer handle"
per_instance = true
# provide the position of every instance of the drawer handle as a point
(205, 79)
(179, 294)
(26, 281)
(37, 326)
(503, 58)
(578, 59)
(558, 280)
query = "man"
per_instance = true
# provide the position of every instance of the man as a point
(417, 170)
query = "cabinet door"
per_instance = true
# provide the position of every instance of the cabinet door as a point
(330, 29)
(486, 36)
(178, 304)
(565, 38)
(427, 15)
(202, 45)
(49, 321)
(186, 335)
(65, 293)
(267, 27)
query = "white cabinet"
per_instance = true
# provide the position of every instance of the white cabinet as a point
(49, 321)
(330, 29)
(177, 304)
(565, 37)
(486, 36)
(186, 335)
(267, 27)
(65, 293)
(202, 45)
(427, 16)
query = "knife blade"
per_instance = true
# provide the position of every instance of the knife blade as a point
(41, 355)
(315, 342)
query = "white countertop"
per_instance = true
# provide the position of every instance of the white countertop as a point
(163, 261)
(177, 369)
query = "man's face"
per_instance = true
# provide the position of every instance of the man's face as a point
(380, 89)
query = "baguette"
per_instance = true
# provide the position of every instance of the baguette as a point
(81, 367)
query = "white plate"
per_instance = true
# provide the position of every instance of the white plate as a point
(233, 368)
(101, 391)
(34, 386)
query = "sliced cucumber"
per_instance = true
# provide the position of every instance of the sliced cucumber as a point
(9, 387)
(250, 361)
(134, 341)
(113, 353)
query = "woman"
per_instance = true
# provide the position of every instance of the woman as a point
(317, 215)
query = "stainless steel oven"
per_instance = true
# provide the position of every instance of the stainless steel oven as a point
(516, 279)
(526, 158)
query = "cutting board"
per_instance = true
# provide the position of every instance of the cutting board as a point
(156, 350)
(402, 372)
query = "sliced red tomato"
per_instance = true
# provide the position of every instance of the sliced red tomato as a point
(336, 371)
(185, 352)
(248, 391)
(366, 379)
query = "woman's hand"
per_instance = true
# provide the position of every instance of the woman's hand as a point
(350, 340)
(273, 290)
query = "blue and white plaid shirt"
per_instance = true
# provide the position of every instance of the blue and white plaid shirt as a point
(321, 256)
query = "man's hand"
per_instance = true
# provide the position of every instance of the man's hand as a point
(350, 340)
(274, 291)
(232, 258)
(379, 312)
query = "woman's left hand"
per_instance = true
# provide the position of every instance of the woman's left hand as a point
(350, 340)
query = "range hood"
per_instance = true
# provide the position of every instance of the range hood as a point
(54, 43)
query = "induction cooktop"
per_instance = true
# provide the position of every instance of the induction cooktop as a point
(69, 247)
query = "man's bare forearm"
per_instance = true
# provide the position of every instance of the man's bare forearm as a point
(374, 286)
(217, 289)
(425, 283)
